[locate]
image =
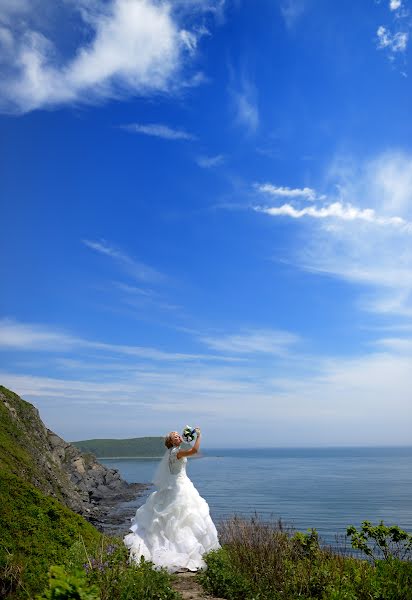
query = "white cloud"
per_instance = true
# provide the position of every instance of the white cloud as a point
(292, 10)
(253, 342)
(396, 42)
(245, 105)
(16, 335)
(273, 190)
(159, 130)
(207, 162)
(134, 47)
(395, 4)
(335, 210)
(328, 406)
(388, 181)
(189, 39)
(364, 235)
(141, 298)
(401, 345)
(10, 8)
(134, 268)
(32, 337)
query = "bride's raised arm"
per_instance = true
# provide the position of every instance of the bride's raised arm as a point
(193, 449)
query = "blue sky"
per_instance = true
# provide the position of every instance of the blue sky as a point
(206, 214)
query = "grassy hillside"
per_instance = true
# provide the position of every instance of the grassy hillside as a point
(22, 441)
(59, 469)
(133, 447)
(36, 531)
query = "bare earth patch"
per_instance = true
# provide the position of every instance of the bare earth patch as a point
(186, 584)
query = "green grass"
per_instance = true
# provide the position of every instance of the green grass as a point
(15, 454)
(23, 445)
(46, 550)
(36, 532)
(106, 568)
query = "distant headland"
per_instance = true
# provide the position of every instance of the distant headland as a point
(144, 447)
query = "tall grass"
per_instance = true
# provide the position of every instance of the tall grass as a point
(38, 535)
(266, 561)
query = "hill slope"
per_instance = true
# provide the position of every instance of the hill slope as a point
(130, 448)
(40, 457)
(36, 531)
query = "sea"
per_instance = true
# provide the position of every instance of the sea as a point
(322, 488)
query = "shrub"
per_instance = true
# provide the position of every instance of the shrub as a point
(222, 577)
(263, 561)
(107, 568)
(381, 540)
(63, 586)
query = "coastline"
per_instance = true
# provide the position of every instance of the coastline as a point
(113, 516)
(128, 457)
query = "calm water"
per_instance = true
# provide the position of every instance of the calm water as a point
(323, 488)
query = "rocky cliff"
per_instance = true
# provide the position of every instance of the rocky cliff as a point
(39, 456)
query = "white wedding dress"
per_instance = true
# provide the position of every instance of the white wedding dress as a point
(173, 529)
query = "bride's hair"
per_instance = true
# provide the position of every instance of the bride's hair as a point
(168, 441)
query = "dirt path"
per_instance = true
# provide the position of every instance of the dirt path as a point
(187, 585)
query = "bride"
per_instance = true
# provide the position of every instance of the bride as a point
(173, 529)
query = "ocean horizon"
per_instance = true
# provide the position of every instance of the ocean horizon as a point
(226, 450)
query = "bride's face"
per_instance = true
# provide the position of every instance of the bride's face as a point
(176, 438)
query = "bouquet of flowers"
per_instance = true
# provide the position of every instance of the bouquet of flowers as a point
(188, 433)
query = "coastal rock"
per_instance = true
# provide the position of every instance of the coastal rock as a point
(56, 467)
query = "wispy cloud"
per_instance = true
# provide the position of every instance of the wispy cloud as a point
(159, 130)
(207, 162)
(33, 337)
(138, 297)
(273, 190)
(292, 10)
(244, 103)
(259, 341)
(133, 48)
(133, 267)
(289, 406)
(364, 236)
(336, 210)
(401, 345)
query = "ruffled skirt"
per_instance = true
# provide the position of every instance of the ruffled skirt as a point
(173, 529)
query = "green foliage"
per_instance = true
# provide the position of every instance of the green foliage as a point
(24, 449)
(63, 586)
(381, 540)
(15, 455)
(307, 542)
(36, 532)
(223, 578)
(107, 567)
(128, 448)
(259, 561)
(394, 578)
